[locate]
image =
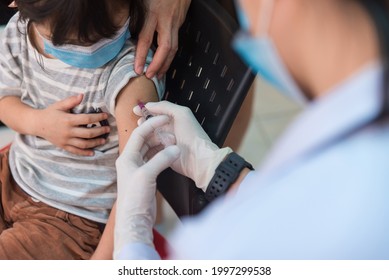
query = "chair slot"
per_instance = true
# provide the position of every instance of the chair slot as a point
(213, 96)
(224, 71)
(218, 110)
(190, 95)
(198, 37)
(197, 107)
(182, 84)
(206, 84)
(199, 70)
(174, 74)
(231, 85)
(207, 47)
(190, 61)
(202, 122)
(216, 59)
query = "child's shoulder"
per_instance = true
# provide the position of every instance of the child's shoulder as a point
(126, 57)
(14, 33)
(16, 25)
(127, 52)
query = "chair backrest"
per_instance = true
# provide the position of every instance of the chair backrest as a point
(209, 78)
(5, 13)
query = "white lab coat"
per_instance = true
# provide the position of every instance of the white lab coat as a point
(323, 193)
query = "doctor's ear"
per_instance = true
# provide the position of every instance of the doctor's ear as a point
(13, 5)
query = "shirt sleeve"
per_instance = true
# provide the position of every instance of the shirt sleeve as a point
(138, 251)
(123, 72)
(10, 52)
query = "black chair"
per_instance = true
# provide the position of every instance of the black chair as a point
(209, 78)
(5, 12)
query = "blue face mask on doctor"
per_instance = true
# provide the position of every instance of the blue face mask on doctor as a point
(260, 53)
(93, 56)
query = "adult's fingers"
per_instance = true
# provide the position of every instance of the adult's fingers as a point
(165, 108)
(163, 50)
(140, 134)
(171, 54)
(161, 107)
(144, 42)
(162, 160)
(13, 5)
(137, 111)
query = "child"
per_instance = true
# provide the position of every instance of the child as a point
(67, 86)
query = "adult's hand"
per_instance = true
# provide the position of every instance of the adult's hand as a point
(165, 17)
(199, 155)
(136, 175)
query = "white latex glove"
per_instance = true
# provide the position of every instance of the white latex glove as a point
(136, 181)
(199, 155)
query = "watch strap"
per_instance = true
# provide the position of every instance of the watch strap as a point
(226, 174)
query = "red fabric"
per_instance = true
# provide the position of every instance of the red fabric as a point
(160, 244)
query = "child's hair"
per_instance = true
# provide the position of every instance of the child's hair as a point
(89, 20)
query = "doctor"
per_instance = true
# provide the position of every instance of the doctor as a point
(323, 191)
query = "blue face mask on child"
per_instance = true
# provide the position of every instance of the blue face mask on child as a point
(93, 56)
(261, 54)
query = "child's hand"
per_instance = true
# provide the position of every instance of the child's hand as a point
(68, 131)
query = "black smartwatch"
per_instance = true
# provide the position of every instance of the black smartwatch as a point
(225, 175)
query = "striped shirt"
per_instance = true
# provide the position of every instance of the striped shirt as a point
(84, 186)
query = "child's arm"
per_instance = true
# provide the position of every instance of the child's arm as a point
(138, 89)
(55, 123)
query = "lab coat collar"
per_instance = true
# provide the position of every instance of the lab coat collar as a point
(348, 107)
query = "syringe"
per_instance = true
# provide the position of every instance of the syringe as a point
(162, 137)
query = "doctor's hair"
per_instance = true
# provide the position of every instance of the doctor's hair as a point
(88, 20)
(379, 12)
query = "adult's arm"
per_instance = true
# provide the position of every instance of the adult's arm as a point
(165, 18)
